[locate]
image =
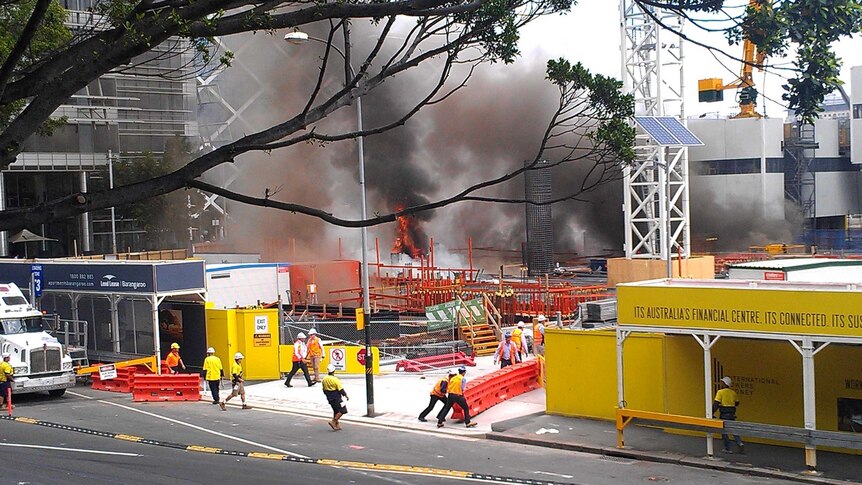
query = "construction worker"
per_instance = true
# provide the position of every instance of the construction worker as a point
(237, 386)
(725, 403)
(315, 353)
(539, 336)
(173, 360)
(213, 372)
(300, 353)
(6, 379)
(507, 352)
(334, 392)
(520, 340)
(457, 386)
(438, 393)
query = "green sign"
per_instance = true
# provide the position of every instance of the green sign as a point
(442, 316)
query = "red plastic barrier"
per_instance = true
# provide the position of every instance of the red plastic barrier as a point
(166, 387)
(125, 380)
(492, 389)
(433, 362)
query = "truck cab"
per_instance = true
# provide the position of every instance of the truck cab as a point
(40, 361)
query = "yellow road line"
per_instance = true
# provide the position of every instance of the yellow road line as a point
(128, 437)
(203, 449)
(395, 468)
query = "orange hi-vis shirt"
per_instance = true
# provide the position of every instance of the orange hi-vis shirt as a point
(173, 359)
(315, 348)
(441, 388)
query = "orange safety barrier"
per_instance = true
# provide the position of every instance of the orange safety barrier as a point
(125, 380)
(492, 389)
(166, 387)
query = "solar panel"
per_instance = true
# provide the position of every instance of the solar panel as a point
(677, 129)
(656, 131)
(667, 131)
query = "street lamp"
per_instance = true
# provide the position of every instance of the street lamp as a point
(299, 38)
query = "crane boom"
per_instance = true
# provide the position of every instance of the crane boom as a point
(709, 90)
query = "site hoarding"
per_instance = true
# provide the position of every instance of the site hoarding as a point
(791, 310)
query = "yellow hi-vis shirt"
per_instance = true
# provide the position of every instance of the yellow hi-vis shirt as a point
(5, 371)
(236, 370)
(455, 385)
(331, 383)
(213, 368)
(516, 337)
(726, 397)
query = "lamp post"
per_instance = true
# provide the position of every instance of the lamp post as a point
(299, 38)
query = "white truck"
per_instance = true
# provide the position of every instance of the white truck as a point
(40, 361)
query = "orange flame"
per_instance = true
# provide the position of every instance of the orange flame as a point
(406, 233)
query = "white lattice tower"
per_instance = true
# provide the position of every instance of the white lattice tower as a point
(652, 68)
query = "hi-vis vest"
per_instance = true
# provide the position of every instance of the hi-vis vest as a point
(538, 338)
(438, 389)
(300, 350)
(516, 337)
(314, 347)
(455, 384)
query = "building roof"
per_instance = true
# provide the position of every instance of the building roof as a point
(796, 264)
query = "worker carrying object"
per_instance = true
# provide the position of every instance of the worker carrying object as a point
(520, 340)
(300, 353)
(213, 373)
(237, 386)
(336, 396)
(173, 360)
(438, 393)
(725, 403)
(7, 374)
(457, 386)
(315, 353)
(507, 352)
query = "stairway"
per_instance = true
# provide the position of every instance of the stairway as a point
(481, 338)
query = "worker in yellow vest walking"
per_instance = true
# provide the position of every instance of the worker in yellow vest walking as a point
(457, 386)
(725, 403)
(213, 372)
(438, 393)
(315, 353)
(7, 373)
(520, 341)
(336, 396)
(237, 382)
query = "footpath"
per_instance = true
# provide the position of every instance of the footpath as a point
(399, 398)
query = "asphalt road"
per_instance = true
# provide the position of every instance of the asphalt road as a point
(34, 454)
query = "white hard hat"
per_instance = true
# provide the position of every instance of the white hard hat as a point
(726, 380)
(520, 324)
(210, 350)
(301, 335)
(238, 356)
(452, 372)
(330, 368)
(541, 318)
(312, 332)
(6, 355)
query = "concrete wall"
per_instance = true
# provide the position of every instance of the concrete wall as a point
(726, 139)
(622, 270)
(838, 193)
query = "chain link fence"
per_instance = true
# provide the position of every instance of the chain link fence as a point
(396, 339)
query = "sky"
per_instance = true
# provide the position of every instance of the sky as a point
(590, 33)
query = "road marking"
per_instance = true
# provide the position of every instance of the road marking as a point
(193, 426)
(349, 465)
(76, 450)
(554, 474)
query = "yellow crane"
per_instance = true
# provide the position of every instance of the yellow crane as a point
(712, 90)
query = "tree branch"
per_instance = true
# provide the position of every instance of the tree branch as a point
(23, 42)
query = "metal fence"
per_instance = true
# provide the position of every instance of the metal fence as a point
(396, 339)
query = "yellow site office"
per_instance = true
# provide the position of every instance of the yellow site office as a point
(676, 338)
(256, 333)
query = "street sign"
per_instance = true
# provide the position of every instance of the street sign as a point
(337, 359)
(107, 372)
(261, 324)
(36, 271)
(360, 356)
(360, 318)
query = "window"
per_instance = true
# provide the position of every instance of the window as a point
(857, 111)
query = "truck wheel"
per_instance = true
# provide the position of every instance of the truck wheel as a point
(57, 392)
